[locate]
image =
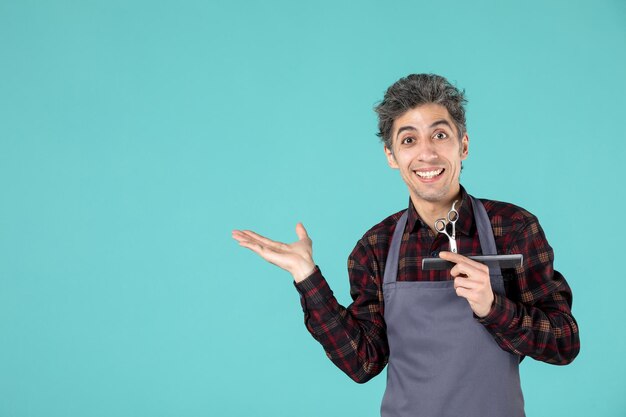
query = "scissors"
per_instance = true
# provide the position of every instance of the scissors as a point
(441, 226)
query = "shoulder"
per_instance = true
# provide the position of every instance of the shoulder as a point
(374, 244)
(383, 230)
(508, 218)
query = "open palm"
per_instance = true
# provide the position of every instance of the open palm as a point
(296, 257)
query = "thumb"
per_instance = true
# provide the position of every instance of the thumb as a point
(301, 231)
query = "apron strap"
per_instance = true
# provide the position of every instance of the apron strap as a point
(391, 264)
(487, 243)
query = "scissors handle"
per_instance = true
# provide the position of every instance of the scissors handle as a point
(440, 226)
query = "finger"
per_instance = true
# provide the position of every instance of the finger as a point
(462, 282)
(253, 247)
(238, 235)
(464, 269)
(262, 239)
(463, 292)
(264, 252)
(301, 232)
(456, 258)
(248, 235)
(468, 295)
(243, 238)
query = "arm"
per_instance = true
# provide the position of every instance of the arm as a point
(354, 338)
(539, 324)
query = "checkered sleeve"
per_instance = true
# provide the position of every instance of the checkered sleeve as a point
(540, 323)
(353, 338)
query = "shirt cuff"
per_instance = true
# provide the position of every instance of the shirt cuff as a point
(501, 314)
(314, 290)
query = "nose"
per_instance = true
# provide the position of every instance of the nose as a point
(426, 150)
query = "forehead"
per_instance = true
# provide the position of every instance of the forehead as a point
(421, 117)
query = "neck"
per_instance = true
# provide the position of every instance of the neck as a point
(430, 211)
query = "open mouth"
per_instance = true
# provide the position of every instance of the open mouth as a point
(427, 175)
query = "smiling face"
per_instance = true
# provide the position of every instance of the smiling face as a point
(428, 153)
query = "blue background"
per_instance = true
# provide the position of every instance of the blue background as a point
(134, 136)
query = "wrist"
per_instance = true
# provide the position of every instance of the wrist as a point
(487, 310)
(303, 271)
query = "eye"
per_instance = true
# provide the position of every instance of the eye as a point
(440, 135)
(408, 140)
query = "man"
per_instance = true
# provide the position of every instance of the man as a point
(454, 338)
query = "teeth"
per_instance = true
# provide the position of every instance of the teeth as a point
(429, 174)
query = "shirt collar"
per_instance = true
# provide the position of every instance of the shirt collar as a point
(463, 225)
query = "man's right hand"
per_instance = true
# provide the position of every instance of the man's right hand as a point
(296, 258)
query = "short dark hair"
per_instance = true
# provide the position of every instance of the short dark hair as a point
(415, 90)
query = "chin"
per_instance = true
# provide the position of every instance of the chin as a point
(434, 195)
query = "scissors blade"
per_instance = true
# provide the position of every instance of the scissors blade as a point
(453, 244)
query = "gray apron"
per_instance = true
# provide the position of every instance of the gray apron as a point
(442, 362)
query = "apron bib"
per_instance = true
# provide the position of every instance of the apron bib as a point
(442, 362)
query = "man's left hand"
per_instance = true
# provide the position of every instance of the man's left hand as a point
(471, 281)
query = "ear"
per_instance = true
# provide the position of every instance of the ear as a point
(464, 147)
(391, 160)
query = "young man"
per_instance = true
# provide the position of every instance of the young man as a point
(454, 338)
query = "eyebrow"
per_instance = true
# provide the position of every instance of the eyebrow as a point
(441, 122)
(403, 128)
(435, 123)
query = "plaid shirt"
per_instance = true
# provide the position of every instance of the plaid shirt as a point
(534, 319)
